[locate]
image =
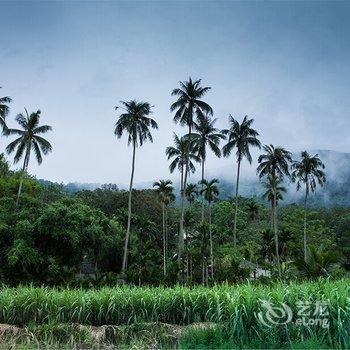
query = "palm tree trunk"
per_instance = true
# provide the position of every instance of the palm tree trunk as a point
(166, 233)
(236, 208)
(305, 243)
(211, 245)
(276, 233)
(202, 189)
(125, 257)
(181, 233)
(164, 242)
(24, 170)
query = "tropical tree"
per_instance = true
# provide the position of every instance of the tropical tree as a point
(210, 191)
(274, 163)
(252, 209)
(135, 121)
(317, 263)
(164, 189)
(182, 158)
(29, 139)
(191, 192)
(4, 110)
(273, 189)
(308, 172)
(206, 135)
(189, 102)
(187, 105)
(240, 137)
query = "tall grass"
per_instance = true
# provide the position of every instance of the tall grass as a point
(235, 307)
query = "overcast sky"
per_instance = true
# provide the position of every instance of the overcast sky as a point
(284, 64)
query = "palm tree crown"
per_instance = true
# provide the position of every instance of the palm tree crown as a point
(164, 189)
(210, 190)
(240, 136)
(29, 137)
(206, 134)
(136, 122)
(191, 192)
(308, 171)
(4, 109)
(273, 186)
(182, 154)
(274, 162)
(189, 102)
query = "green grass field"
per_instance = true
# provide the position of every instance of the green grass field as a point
(217, 317)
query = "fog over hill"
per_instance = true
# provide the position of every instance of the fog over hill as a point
(335, 192)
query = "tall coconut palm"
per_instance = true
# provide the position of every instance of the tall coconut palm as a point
(191, 193)
(164, 189)
(135, 121)
(309, 172)
(4, 110)
(189, 103)
(275, 163)
(182, 158)
(206, 135)
(29, 139)
(240, 137)
(210, 191)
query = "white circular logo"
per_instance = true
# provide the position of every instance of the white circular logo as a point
(273, 314)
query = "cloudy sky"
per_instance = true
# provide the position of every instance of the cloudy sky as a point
(285, 64)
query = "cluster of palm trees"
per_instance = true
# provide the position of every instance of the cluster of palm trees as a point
(275, 164)
(29, 137)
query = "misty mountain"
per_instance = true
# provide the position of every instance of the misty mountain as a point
(335, 192)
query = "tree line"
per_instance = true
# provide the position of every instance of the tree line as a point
(275, 164)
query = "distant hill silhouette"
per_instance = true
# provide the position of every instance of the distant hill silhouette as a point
(335, 192)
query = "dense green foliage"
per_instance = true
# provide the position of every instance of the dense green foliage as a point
(48, 237)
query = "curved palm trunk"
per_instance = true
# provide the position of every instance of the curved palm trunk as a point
(236, 208)
(164, 240)
(126, 244)
(202, 190)
(276, 233)
(24, 170)
(211, 245)
(305, 241)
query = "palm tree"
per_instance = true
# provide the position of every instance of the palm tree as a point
(29, 139)
(189, 102)
(4, 110)
(135, 121)
(240, 137)
(317, 263)
(274, 163)
(252, 209)
(182, 158)
(206, 135)
(308, 171)
(191, 193)
(210, 191)
(164, 189)
(273, 188)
